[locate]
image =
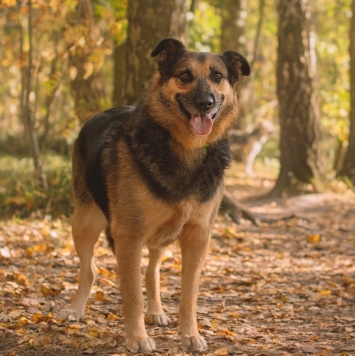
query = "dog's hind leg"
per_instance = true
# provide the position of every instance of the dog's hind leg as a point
(87, 224)
(155, 314)
(194, 246)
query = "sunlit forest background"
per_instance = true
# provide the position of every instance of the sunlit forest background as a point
(61, 61)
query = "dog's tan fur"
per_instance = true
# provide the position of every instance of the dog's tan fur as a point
(136, 215)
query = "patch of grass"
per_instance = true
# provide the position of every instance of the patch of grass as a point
(19, 196)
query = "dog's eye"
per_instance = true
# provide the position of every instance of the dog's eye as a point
(185, 77)
(217, 77)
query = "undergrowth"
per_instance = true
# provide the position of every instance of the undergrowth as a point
(19, 195)
(21, 198)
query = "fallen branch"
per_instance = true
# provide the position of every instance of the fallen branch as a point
(236, 210)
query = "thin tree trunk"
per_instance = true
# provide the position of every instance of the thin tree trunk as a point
(26, 109)
(258, 31)
(119, 58)
(348, 168)
(51, 95)
(87, 84)
(248, 90)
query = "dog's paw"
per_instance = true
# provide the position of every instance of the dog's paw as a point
(70, 314)
(140, 344)
(157, 319)
(197, 343)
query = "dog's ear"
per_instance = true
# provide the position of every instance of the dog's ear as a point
(237, 65)
(167, 51)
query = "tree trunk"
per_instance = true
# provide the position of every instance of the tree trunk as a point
(233, 14)
(300, 136)
(148, 23)
(119, 62)
(85, 62)
(348, 168)
(25, 103)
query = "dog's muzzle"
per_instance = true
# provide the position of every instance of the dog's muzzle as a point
(201, 116)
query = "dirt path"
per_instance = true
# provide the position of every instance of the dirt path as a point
(286, 287)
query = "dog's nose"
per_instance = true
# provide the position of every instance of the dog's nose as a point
(203, 97)
(204, 102)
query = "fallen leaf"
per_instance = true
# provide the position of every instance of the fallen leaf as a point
(100, 296)
(221, 351)
(50, 289)
(313, 238)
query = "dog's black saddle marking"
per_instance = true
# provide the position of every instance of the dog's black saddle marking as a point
(97, 143)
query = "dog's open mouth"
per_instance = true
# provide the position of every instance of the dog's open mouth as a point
(201, 123)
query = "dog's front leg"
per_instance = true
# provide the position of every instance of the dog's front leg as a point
(128, 253)
(155, 313)
(194, 246)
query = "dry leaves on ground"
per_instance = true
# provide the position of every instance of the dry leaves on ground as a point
(286, 287)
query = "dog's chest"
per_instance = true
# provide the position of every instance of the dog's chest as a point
(163, 225)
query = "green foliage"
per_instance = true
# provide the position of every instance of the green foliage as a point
(333, 65)
(204, 26)
(19, 195)
(114, 14)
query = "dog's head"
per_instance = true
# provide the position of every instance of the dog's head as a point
(196, 89)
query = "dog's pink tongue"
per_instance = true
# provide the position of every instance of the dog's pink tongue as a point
(201, 124)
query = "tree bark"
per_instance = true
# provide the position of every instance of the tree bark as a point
(119, 58)
(26, 106)
(148, 23)
(348, 168)
(301, 155)
(87, 84)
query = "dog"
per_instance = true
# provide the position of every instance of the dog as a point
(246, 146)
(151, 175)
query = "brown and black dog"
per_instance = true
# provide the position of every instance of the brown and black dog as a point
(151, 175)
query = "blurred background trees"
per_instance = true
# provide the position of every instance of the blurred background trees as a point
(63, 60)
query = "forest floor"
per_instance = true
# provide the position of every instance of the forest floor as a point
(286, 287)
